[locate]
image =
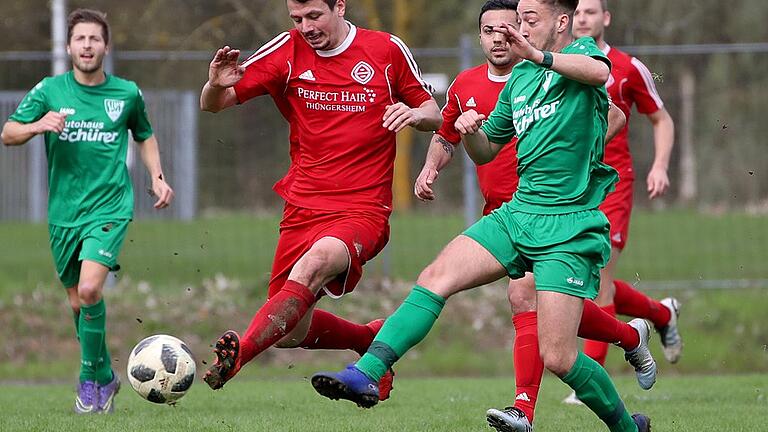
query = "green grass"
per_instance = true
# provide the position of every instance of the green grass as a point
(288, 403)
(672, 245)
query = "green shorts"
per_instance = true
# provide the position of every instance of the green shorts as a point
(565, 252)
(98, 241)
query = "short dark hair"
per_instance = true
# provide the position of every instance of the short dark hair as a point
(88, 16)
(566, 6)
(331, 3)
(491, 5)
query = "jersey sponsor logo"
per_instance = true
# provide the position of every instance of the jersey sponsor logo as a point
(67, 111)
(548, 80)
(363, 73)
(574, 281)
(114, 107)
(345, 100)
(471, 103)
(307, 75)
(526, 116)
(86, 131)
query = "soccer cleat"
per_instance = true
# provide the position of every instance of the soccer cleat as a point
(350, 384)
(669, 335)
(107, 394)
(510, 419)
(643, 422)
(640, 358)
(386, 385)
(87, 398)
(227, 363)
(572, 399)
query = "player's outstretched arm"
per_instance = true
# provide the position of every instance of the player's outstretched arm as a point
(578, 67)
(150, 156)
(616, 122)
(15, 133)
(479, 148)
(664, 139)
(223, 73)
(425, 118)
(439, 154)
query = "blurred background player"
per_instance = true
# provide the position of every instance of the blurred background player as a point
(478, 89)
(631, 83)
(346, 92)
(557, 105)
(85, 116)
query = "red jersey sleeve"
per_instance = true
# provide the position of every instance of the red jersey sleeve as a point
(451, 111)
(267, 70)
(643, 88)
(407, 85)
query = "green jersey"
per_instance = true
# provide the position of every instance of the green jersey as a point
(87, 175)
(560, 125)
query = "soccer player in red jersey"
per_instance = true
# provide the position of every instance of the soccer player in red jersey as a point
(478, 89)
(346, 92)
(631, 83)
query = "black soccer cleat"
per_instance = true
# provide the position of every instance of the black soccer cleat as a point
(227, 363)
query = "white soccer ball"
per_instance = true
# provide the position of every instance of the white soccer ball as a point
(161, 369)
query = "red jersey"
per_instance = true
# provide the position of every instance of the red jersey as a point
(334, 101)
(630, 83)
(478, 89)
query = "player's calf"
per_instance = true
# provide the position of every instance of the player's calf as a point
(227, 363)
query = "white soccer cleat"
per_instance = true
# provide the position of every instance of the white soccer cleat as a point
(572, 399)
(640, 358)
(669, 335)
(510, 419)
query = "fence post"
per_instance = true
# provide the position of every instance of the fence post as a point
(36, 186)
(185, 160)
(471, 207)
(688, 188)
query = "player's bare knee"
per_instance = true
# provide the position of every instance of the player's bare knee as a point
(557, 360)
(89, 292)
(436, 279)
(521, 301)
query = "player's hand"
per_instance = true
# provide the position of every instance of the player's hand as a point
(658, 182)
(399, 116)
(162, 191)
(224, 71)
(51, 122)
(423, 186)
(518, 43)
(469, 122)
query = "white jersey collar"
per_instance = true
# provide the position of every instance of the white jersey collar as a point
(344, 45)
(606, 49)
(498, 78)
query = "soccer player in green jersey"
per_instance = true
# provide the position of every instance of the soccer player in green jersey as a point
(85, 116)
(555, 102)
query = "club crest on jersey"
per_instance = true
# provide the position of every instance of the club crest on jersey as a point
(362, 73)
(114, 108)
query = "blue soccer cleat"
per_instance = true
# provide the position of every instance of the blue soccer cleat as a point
(643, 422)
(107, 394)
(350, 384)
(87, 397)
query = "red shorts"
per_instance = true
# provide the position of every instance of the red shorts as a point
(364, 233)
(618, 209)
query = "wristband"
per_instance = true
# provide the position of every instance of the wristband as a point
(548, 60)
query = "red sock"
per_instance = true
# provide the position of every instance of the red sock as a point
(597, 325)
(329, 331)
(634, 303)
(528, 364)
(275, 319)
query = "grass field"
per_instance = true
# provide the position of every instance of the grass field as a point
(690, 404)
(663, 246)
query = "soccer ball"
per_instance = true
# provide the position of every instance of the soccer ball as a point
(161, 369)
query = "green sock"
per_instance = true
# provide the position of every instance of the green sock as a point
(594, 387)
(95, 362)
(76, 317)
(402, 330)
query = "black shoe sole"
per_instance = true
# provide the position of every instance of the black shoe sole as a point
(335, 390)
(499, 424)
(215, 375)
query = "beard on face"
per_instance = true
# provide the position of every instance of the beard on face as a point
(88, 68)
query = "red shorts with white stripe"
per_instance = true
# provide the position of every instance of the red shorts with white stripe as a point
(618, 209)
(364, 233)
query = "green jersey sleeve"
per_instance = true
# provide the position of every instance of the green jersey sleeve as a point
(33, 107)
(138, 123)
(500, 127)
(587, 46)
